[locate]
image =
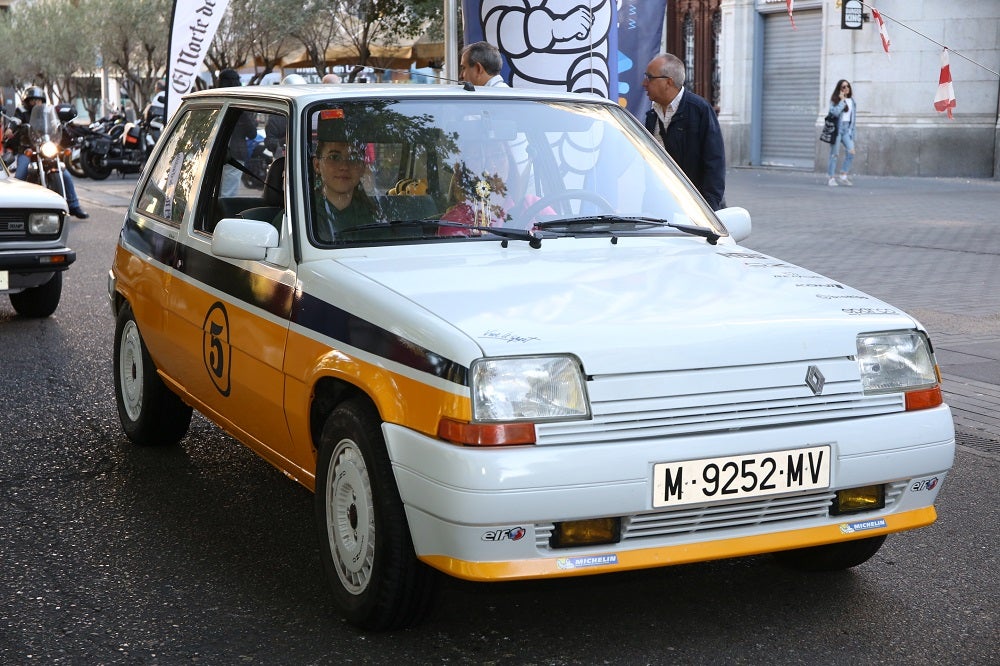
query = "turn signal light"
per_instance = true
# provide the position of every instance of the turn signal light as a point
(486, 434)
(924, 398)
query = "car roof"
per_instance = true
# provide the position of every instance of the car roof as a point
(305, 94)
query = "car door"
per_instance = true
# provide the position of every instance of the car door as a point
(229, 316)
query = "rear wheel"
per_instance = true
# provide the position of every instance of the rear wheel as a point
(151, 414)
(91, 165)
(365, 545)
(833, 556)
(39, 301)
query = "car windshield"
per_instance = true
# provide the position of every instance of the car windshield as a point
(418, 170)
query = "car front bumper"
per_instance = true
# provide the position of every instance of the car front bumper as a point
(486, 514)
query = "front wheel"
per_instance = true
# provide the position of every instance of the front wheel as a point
(91, 165)
(40, 301)
(365, 545)
(151, 414)
(832, 556)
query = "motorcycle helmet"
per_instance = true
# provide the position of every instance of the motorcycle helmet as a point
(293, 80)
(33, 92)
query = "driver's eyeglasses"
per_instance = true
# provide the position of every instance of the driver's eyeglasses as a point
(340, 158)
(650, 77)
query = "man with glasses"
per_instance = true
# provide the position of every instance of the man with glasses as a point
(686, 125)
(480, 65)
(340, 200)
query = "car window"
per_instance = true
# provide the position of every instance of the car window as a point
(244, 176)
(174, 178)
(422, 170)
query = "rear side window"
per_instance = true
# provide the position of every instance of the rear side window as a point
(174, 179)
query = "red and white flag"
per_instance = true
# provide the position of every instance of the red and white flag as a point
(944, 100)
(882, 32)
(791, 7)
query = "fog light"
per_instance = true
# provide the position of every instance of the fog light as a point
(852, 500)
(586, 532)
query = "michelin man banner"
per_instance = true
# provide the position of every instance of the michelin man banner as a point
(599, 46)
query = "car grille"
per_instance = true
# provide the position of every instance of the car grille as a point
(13, 224)
(672, 404)
(724, 516)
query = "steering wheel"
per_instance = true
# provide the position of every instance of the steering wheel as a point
(567, 195)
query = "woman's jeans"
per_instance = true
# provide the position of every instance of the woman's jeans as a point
(835, 153)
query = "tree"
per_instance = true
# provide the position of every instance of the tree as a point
(133, 39)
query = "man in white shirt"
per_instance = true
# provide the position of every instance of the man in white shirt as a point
(481, 64)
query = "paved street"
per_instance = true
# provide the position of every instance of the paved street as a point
(203, 553)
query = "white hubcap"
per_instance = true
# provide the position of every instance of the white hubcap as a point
(350, 517)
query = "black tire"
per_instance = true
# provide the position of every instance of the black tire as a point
(91, 166)
(74, 167)
(365, 545)
(40, 301)
(151, 414)
(831, 557)
(54, 182)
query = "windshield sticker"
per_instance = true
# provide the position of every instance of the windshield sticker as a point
(831, 285)
(507, 337)
(829, 296)
(851, 528)
(567, 563)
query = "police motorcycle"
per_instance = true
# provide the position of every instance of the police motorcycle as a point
(124, 146)
(42, 134)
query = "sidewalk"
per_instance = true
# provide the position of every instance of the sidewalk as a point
(930, 246)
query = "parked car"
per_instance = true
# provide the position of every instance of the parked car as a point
(33, 245)
(501, 336)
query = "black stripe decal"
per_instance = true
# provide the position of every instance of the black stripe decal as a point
(304, 309)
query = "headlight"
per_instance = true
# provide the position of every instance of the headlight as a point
(49, 149)
(895, 361)
(528, 388)
(44, 224)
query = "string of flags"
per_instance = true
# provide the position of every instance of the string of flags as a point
(944, 99)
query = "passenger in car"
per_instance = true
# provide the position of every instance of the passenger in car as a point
(485, 190)
(340, 201)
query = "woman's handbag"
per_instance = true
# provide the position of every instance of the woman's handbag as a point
(829, 133)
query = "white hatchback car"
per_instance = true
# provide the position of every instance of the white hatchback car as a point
(501, 336)
(33, 246)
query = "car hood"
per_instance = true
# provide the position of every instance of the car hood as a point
(640, 304)
(19, 194)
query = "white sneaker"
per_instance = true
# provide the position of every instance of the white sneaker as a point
(844, 180)
(832, 182)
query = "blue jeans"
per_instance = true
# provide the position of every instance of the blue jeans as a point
(848, 143)
(21, 173)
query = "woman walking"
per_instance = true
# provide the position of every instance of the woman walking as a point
(842, 105)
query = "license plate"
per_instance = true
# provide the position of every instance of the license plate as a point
(740, 477)
(4, 280)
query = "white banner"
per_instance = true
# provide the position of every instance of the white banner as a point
(192, 29)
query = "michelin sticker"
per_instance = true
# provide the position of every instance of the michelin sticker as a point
(567, 563)
(851, 528)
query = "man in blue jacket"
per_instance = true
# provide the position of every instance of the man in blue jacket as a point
(687, 127)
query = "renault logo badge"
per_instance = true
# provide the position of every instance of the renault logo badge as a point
(815, 379)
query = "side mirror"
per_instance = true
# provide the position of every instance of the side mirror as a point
(65, 112)
(237, 238)
(736, 221)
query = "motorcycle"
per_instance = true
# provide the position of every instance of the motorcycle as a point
(124, 146)
(42, 132)
(72, 141)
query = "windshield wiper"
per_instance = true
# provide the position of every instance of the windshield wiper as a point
(600, 224)
(515, 234)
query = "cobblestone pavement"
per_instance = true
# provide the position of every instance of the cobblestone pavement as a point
(928, 245)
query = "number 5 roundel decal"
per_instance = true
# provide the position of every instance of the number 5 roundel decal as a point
(215, 347)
